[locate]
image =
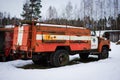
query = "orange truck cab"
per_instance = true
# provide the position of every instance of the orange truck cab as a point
(54, 43)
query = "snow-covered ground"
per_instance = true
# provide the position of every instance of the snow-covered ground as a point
(107, 69)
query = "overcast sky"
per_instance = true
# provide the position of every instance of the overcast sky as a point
(14, 7)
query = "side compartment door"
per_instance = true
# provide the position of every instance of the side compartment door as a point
(20, 35)
(94, 42)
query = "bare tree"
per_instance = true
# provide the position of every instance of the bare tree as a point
(88, 13)
(115, 12)
(68, 11)
(76, 11)
(52, 13)
(85, 21)
(101, 15)
(108, 12)
(1, 17)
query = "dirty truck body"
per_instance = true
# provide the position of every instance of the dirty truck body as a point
(54, 43)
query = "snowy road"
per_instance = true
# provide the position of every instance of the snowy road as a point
(108, 69)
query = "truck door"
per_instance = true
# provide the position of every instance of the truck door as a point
(94, 42)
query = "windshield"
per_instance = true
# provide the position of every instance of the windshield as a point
(93, 33)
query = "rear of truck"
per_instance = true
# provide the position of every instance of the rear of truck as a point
(6, 40)
(21, 40)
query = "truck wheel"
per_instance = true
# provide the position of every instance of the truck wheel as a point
(104, 54)
(10, 58)
(3, 58)
(39, 59)
(59, 58)
(36, 59)
(84, 55)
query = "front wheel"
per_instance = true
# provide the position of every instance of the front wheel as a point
(104, 54)
(59, 58)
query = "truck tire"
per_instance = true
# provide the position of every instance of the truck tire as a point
(104, 54)
(59, 58)
(39, 59)
(84, 55)
(3, 58)
(36, 59)
(10, 58)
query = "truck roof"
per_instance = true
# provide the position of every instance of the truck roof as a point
(6, 29)
(60, 26)
(71, 30)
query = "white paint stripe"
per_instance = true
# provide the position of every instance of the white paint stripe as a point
(80, 37)
(38, 37)
(20, 35)
(93, 39)
(61, 37)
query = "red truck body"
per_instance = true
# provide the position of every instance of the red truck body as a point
(56, 42)
(6, 42)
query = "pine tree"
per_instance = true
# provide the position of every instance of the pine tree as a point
(31, 10)
(26, 11)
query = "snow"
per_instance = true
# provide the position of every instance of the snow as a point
(9, 26)
(107, 69)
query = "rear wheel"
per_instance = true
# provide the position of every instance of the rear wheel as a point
(59, 58)
(2, 58)
(10, 58)
(36, 59)
(40, 59)
(104, 54)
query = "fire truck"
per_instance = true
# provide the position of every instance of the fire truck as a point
(54, 43)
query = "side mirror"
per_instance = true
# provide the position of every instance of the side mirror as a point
(106, 35)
